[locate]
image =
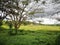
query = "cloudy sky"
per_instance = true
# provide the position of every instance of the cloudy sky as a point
(51, 10)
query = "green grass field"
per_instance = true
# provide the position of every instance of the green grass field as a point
(31, 35)
(37, 27)
(41, 27)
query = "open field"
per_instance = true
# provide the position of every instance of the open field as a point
(41, 27)
(37, 27)
(31, 35)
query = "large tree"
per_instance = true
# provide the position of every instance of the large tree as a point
(18, 10)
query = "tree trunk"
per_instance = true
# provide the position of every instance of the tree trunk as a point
(16, 28)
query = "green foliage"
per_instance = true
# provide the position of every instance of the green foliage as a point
(57, 41)
(29, 38)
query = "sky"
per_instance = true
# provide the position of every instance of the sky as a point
(51, 12)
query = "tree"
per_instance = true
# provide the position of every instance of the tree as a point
(18, 11)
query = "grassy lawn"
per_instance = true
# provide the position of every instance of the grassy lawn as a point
(31, 35)
(41, 27)
(37, 27)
